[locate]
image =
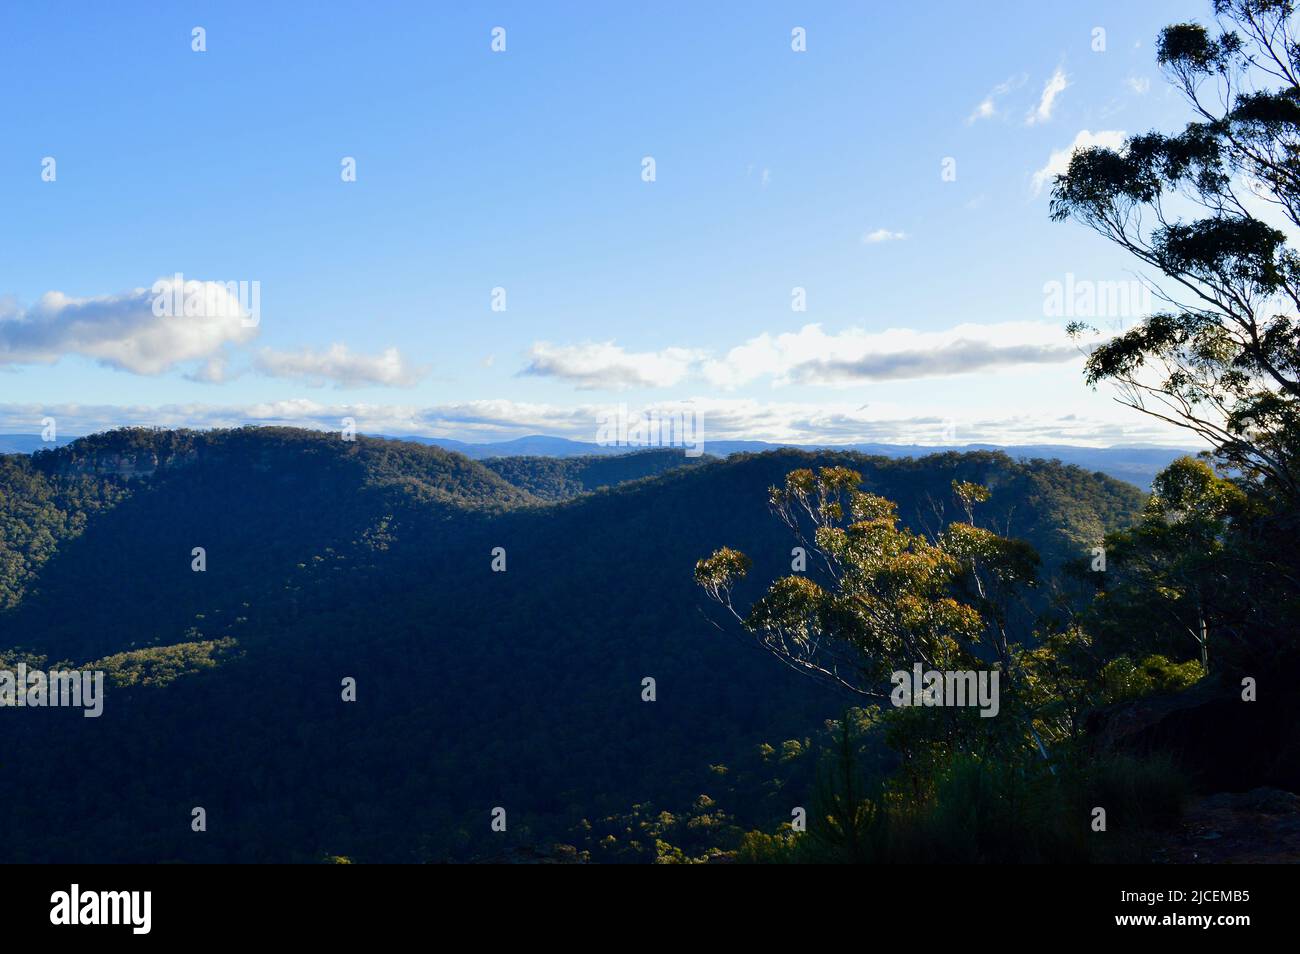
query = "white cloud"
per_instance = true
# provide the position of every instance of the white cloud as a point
(720, 419)
(606, 366)
(988, 106)
(340, 366)
(985, 110)
(150, 331)
(811, 356)
(854, 356)
(122, 331)
(213, 371)
(1139, 84)
(883, 235)
(1059, 161)
(1055, 86)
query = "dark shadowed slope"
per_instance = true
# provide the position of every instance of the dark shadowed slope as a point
(562, 478)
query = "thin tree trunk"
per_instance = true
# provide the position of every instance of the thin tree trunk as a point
(1204, 639)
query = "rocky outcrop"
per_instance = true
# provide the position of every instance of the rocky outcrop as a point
(1224, 743)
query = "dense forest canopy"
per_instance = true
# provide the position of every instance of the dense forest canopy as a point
(373, 559)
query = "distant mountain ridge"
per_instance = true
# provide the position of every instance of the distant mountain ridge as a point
(28, 443)
(562, 478)
(1136, 463)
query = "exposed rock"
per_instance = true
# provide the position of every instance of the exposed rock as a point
(1224, 743)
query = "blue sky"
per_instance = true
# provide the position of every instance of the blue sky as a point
(523, 170)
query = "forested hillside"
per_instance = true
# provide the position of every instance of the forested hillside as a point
(373, 559)
(561, 478)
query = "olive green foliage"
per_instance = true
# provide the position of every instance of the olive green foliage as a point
(878, 597)
(1123, 679)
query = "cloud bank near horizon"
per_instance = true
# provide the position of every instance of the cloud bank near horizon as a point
(721, 419)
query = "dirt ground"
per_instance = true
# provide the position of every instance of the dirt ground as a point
(1256, 827)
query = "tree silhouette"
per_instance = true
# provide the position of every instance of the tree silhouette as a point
(1224, 361)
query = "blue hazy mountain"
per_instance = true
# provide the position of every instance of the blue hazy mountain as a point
(1135, 463)
(27, 443)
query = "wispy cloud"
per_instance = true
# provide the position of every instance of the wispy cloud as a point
(987, 108)
(1047, 102)
(883, 235)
